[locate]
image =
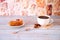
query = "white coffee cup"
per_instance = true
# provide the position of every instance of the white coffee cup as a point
(44, 20)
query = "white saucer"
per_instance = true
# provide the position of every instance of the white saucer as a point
(16, 26)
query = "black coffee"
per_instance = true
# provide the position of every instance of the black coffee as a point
(43, 17)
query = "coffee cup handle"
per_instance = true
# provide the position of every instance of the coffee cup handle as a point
(51, 21)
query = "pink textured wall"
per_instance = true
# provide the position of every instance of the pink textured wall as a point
(27, 7)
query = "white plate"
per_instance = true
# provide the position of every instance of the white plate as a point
(16, 26)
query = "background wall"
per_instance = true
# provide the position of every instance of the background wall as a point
(56, 7)
(29, 7)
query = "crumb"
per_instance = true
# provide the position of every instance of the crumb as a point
(37, 25)
(14, 33)
(27, 29)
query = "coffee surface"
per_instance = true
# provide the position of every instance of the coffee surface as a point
(43, 17)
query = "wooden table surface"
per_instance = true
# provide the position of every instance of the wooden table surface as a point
(6, 32)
